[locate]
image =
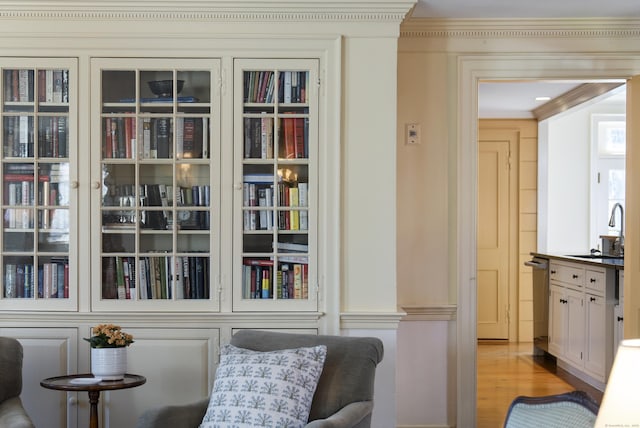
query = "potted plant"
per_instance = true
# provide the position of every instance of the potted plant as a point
(109, 351)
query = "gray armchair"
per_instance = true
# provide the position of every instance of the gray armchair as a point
(12, 413)
(343, 397)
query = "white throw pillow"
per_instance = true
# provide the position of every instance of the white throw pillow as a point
(264, 389)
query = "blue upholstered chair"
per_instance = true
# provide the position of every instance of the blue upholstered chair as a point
(343, 397)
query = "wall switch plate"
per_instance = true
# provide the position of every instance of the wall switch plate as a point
(413, 134)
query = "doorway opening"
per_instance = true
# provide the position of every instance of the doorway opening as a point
(471, 71)
(564, 147)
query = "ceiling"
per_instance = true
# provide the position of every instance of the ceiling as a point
(517, 99)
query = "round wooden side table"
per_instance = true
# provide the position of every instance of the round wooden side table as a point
(74, 383)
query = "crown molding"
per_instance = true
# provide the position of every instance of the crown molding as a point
(572, 98)
(208, 10)
(521, 28)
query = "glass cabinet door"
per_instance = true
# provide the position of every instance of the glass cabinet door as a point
(159, 184)
(38, 148)
(276, 119)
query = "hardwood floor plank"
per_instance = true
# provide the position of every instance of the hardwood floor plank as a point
(506, 370)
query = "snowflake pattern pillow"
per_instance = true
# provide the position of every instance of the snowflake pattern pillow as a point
(264, 389)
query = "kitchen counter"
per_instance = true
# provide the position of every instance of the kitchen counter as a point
(614, 263)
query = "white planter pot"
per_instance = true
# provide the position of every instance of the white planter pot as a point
(109, 363)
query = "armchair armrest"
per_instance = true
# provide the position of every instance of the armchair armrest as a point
(350, 416)
(184, 416)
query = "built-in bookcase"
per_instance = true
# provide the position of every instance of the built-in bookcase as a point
(38, 140)
(276, 170)
(156, 135)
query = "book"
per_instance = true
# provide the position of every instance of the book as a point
(287, 87)
(258, 178)
(298, 138)
(266, 284)
(294, 215)
(109, 287)
(10, 281)
(289, 138)
(290, 247)
(143, 279)
(120, 285)
(163, 137)
(146, 138)
(266, 138)
(297, 281)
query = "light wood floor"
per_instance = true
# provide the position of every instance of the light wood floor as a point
(506, 370)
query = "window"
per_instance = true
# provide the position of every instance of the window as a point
(608, 183)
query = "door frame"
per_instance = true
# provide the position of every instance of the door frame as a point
(462, 236)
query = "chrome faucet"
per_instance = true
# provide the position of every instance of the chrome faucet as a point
(619, 248)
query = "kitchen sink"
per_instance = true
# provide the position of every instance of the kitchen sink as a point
(596, 256)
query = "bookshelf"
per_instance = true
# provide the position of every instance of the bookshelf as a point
(275, 152)
(38, 122)
(158, 126)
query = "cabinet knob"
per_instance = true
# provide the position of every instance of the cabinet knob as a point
(73, 401)
(553, 272)
(74, 184)
(96, 185)
(237, 186)
(592, 299)
(620, 319)
(592, 280)
(575, 276)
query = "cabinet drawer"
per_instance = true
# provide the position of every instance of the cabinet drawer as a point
(567, 274)
(595, 280)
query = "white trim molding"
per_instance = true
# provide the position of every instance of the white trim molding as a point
(209, 10)
(521, 28)
(370, 320)
(430, 313)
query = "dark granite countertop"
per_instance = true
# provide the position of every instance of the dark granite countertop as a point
(608, 262)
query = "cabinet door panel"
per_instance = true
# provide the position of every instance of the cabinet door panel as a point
(575, 326)
(179, 365)
(38, 164)
(596, 337)
(48, 408)
(556, 320)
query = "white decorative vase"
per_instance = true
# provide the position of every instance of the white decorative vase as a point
(109, 363)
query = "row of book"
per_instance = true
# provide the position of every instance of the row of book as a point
(191, 134)
(48, 218)
(158, 277)
(292, 143)
(262, 195)
(119, 138)
(18, 136)
(157, 195)
(20, 188)
(259, 86)
(291, 279)
(192, 137)
(53, 280)
(258, 137)
(52, 85)
(294, 135)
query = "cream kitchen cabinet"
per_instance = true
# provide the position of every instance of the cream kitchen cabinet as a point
(581, 301)
(567, 330)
